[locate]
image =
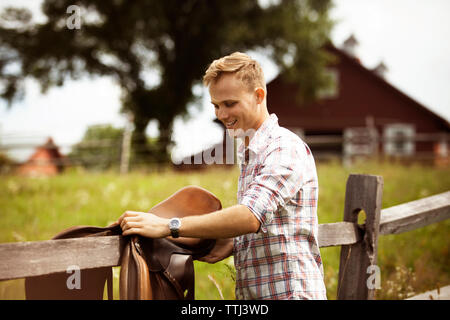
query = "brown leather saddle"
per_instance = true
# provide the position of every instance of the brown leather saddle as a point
(151, 269)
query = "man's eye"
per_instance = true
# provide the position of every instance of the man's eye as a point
(230, 103)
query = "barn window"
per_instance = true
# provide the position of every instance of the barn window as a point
(332, 91)
(441, 148)
(399, 139)
(360, 141)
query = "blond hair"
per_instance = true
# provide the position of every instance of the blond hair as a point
(247, 70)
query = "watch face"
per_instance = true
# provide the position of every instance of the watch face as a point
(175, 223)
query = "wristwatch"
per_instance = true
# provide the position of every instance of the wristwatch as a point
(174, 226)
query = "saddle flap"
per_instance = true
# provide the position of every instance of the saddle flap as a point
(177, 281)
(157, 252)
(181, 275)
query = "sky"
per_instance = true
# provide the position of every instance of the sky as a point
(411, 37)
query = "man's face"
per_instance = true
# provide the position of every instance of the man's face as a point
(235, 105)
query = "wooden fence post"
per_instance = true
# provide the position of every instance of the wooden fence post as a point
(363, 192)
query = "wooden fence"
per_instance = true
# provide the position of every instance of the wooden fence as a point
(358, 242)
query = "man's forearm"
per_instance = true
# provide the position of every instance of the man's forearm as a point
(226, 223)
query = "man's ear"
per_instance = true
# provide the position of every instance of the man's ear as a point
(260, 95)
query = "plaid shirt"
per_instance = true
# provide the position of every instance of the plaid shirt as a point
(278, 183)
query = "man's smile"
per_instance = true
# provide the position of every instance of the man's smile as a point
(230, 124)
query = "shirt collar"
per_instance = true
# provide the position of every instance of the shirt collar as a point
(259, 139)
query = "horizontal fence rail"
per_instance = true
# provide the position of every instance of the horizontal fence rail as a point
(339, 233)
(415, 214)
(27, 259)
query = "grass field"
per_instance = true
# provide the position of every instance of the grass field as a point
(412, 262)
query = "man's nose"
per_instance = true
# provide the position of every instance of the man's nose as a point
(222, 114)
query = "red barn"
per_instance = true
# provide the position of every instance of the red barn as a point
(45, 161)
(364, 115)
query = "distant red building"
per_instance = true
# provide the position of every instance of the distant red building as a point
(45, 161)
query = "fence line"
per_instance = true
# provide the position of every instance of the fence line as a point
(358, 242)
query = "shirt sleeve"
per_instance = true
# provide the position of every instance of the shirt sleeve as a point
(276, 180)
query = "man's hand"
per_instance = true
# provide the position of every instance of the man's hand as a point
(144, 224)
(223, 249)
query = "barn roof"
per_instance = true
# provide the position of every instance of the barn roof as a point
(316, 118)
(386, 84)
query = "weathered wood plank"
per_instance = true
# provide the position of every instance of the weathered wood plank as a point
(363, 192)
(25, 259)
(339, 233)
(415, 214)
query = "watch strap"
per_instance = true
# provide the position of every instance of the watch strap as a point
(174, 233)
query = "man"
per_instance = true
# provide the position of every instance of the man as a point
(274, 224)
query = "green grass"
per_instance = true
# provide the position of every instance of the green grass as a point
(37, 208)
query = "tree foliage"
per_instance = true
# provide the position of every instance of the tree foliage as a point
(134, 40)
(99, 149)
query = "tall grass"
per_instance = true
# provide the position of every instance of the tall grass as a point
(37, 208)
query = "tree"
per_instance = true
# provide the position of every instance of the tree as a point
(99, 149)
(128, 40)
